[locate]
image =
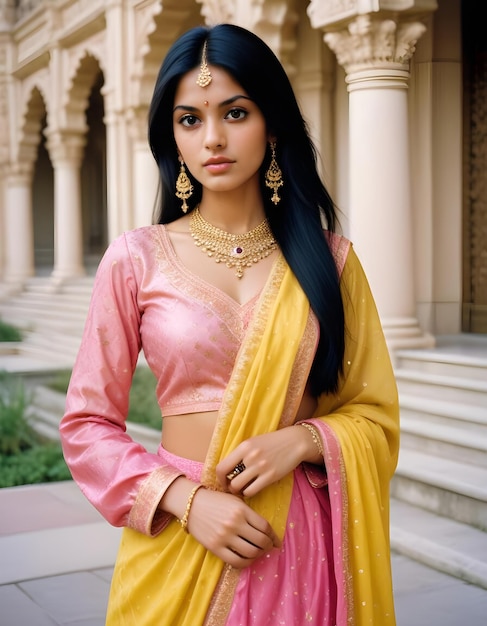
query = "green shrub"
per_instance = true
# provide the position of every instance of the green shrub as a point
(25, 457)
(16, 434)
(60, 381)
(40, 464)
(9, 332)
(143, 407)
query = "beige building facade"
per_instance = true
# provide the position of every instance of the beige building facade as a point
(394, 91)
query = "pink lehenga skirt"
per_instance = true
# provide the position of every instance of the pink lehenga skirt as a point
(296, 584)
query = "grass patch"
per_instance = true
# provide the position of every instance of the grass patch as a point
(9, 333)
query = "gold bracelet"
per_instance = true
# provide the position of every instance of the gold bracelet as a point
(314, 435)
(184, 520)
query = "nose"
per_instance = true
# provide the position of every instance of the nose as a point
(215, 135)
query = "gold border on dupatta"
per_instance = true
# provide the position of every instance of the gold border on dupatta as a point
(223, 597)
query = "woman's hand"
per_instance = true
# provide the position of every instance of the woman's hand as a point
(229, 528)
(221, 522)
(266, 459)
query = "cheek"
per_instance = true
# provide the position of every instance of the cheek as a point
(184, 145)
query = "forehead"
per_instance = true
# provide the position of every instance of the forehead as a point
(222, 85)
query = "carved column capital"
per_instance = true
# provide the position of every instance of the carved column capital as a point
(65, 147)
(19, 174)
(370, 42)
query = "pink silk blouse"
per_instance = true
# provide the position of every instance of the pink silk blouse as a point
(190, 332)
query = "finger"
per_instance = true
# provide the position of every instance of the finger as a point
(262, 526)
(228, 463)
(235, 560)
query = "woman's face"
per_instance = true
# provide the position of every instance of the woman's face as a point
(220, 133)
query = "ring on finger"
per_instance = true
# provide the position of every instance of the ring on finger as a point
(238, 469)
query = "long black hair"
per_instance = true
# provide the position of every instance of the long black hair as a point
(296, 221)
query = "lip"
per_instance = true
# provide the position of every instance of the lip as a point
(217, 161)
(218, 165)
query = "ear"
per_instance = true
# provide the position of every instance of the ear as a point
(271, 137)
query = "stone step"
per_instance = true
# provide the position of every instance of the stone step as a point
(470, 418)
(40, 293)
(443, 486)
(473, 366)
(47, 408)
(438, 542)
(34, 299)
(57, 306)
(61, 346)
(449, 441)
(460, 390)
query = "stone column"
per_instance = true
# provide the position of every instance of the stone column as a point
(375, 53)
(19, 239)
(116, 92)
(66, 152)
(145, 180)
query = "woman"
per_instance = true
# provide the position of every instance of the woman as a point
(267, 502)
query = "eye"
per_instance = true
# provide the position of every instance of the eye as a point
(236, 114)
(189, 120)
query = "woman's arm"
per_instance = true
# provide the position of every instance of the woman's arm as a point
(366, 404)
(119, 477)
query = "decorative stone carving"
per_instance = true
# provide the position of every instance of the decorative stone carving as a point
(368, 42)
(24, 7)
(157, 25)
(66, 147)
(83, 68)
(321, 13)
(332, 13)
(29, 138)
(217, 11)
(275, 21)
(7, 14)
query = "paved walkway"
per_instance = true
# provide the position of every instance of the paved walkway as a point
(57, 554)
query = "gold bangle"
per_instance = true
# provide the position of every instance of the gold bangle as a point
(314, 435)
(184, 520)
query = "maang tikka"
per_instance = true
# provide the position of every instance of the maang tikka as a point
(273, 176)
(184, 188)
(204, 77)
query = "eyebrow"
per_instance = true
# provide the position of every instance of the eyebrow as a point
(222, 104)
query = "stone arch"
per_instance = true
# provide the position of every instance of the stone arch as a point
(275, 21)
(82, 121)
(34, 115)
(32, 161)
(157, 26)
(87, 68)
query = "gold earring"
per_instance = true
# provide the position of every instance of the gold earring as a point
(273, 176)
(184, 188)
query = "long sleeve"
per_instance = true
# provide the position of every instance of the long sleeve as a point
(119, 477)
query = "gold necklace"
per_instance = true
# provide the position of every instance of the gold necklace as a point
(236, 251)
